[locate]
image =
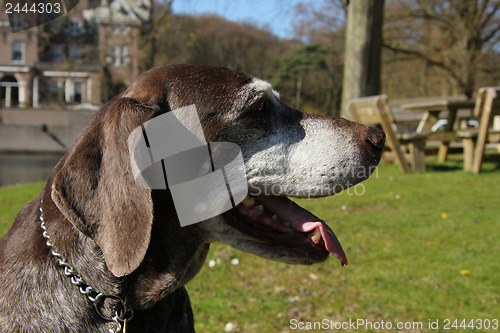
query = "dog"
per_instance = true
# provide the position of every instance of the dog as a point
(94, 252)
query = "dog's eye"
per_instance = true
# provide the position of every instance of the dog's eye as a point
(258, 106)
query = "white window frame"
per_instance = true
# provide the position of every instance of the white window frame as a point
(119, 56)
(22, 51)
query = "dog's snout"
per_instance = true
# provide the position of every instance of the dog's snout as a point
(375, 137)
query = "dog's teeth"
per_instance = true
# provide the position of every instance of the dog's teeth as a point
(315, 236)
(249, 201)
(287, 223)
(274, 218)
(260, 207)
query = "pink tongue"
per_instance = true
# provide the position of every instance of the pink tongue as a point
(304, 221)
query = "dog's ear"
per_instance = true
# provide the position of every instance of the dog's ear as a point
(95, 189)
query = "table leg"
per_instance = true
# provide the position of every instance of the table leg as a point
(445, 145)
(468, 144)
(417, 151)
(496, 127)
(427, 121)
(481, 139)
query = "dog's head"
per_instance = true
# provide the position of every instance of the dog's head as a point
(287, 153)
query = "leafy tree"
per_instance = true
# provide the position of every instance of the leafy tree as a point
(212, 40)
(299, 63)
(110, 86)
(150, 33)
(360, 36)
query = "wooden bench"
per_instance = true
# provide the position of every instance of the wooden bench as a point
(433, 108)
(474, 139)
(374, 110)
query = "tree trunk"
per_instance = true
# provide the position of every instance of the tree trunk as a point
(362, 65)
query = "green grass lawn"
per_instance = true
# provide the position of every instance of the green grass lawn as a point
(12, 199)
(420, 246)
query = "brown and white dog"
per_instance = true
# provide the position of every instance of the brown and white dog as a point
(126, 242)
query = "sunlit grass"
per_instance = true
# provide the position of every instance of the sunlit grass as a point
(12, 199)
(409, 240)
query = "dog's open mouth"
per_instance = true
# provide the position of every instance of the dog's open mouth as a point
(281, 221)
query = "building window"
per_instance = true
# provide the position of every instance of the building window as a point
(18, 47)
(78, 92)
(75, 27)
(9, 91)
(58, 53)
(75, 52)
(119, 56)
(17, 22)
(119, 29)
(55, 92)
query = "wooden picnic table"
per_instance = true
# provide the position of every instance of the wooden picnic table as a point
(432, 109)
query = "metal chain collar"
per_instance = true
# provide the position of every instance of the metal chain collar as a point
(122, 313)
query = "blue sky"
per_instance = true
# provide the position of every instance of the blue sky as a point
(278, 15)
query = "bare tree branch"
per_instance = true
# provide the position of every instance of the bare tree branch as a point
(451, 35)
(416, 53)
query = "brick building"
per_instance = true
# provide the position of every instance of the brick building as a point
(77, 58)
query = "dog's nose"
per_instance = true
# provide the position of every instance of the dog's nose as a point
(375, 137)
